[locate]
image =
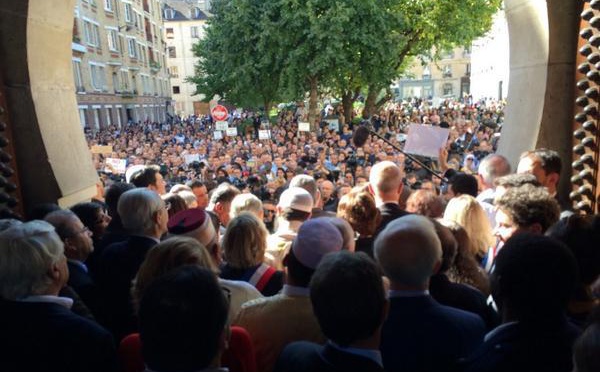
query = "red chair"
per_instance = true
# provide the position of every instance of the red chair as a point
(239, 357)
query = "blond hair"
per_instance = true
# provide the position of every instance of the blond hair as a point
(245, 241)
(466, 211)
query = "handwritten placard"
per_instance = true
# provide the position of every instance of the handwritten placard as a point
(116, 165)
(333, 124)
(218, 135)
(400, 137)
(425, 140)
(97, 149)
(232, 132)
(264, 134)
(221, 125)
(304, 126)
(190, 158)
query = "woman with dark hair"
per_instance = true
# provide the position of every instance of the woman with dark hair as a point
(94, 216)
(175, 203)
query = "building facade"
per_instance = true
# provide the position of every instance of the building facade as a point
(448, 77)
(491, 62)
(185, 21)
(119, 62)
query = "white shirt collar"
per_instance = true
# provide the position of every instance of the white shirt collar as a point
(63, 301)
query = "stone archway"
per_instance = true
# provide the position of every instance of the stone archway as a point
(35, 62)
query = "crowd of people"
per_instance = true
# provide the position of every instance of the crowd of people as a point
(327, 257)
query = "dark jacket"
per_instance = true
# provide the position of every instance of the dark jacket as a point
(119, 264)
(420, 335)
(464, 297)
(389, 212)
(518, 347)
(82, 283)
(306, 356)
(40, 336)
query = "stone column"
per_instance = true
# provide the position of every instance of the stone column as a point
(52, 156)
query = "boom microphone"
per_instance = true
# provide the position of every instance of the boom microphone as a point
(361, 134)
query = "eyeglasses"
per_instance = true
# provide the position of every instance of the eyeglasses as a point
(85, 229)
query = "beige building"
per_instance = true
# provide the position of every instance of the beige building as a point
(184, 26)
(448, 77)
(119, 62)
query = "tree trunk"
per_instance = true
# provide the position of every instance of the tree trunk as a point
(267, 105)
(312, 104)
(347, 103)
(370, 102)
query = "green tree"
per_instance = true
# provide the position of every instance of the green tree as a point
(421, 25)
(237, 60)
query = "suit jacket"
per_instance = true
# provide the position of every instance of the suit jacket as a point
(422, 335)
(464, 297)
(81, 281)
(41, 336)
(305, 356)
(274, 322)
(119, 264)
(389, 212)
(519, 347)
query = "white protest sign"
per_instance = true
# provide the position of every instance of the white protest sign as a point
(116, 165)
(190, 158)
(426, 140)
(304, 126)
(264, 134)
(221, 125)
(218, 135)
(333, 124)
(232, 132)
(400, 137)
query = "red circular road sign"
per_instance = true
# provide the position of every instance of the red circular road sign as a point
(219, 112)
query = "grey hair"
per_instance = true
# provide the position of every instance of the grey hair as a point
(188, 197)
(408, 250)
(27, 252)
(137, 208)
(6, 223)
(246, 203)
(306, 182)
(492, 167)
(61, 220)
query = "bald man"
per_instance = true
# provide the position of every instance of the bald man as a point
(420, 334)
(385, 183)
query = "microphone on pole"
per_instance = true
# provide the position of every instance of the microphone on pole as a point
(361, 134)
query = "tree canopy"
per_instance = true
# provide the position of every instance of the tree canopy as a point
(257, 52)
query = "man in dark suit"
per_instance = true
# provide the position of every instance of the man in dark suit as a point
(385, 183)
(342, 281)
(78, 245)
(420, 334)
(144, 215)
(533, 280)
(39, 330)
